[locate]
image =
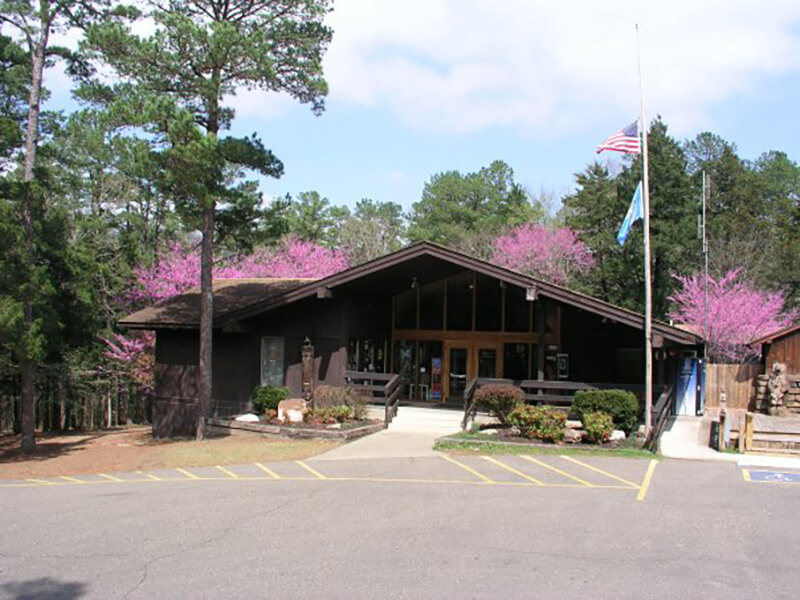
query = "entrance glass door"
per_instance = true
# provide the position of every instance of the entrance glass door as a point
(456, 370)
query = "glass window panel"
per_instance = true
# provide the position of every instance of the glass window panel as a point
(429, 380)
(550, 317)
(272, 350)
(459, 302)
(487, 362)
(405, 310)
(431, 306)
(518, 310)
(404, 361)
(515, 361)
(489, 299)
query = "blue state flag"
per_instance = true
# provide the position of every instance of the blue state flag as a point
(635, 212)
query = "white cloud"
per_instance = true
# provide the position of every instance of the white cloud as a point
(462, 65)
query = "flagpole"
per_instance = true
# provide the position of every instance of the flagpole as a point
(648, 300)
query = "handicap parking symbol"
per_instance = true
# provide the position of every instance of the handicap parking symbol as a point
(774, 477)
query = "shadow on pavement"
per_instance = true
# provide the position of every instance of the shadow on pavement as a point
(44, 588)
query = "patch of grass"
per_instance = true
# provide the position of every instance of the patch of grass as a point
(233, 450)
(465, 443)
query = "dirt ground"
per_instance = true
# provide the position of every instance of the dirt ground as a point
(134, 449)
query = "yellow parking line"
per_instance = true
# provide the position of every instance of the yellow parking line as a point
(646, 481)
(601, 471)
(512, 470)
(557, 470)
(110, 477)
(230, 474)
(42, 481)
(187, 473)
(267, 470)
(150, 476)
(746, 474)
(468, 469)
(314, 472)
(71, 479)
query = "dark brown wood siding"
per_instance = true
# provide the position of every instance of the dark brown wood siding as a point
(785, 350)
(598, 348)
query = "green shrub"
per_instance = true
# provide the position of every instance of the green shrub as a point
(499, 399)
(267, 397)
(541, 422)
(621, 405)
(598, 426)
(330, 414)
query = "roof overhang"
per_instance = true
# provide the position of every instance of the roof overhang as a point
(427, 249)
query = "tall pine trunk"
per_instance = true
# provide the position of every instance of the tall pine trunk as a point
(27, 367)
(205, 370)
(204, 374)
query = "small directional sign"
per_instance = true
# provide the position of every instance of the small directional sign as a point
(774, 477)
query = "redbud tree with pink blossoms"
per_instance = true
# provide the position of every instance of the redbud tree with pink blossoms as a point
(738, 313)
(556, 255)
(178, 270)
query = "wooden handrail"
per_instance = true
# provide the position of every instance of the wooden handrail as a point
(469, 402)
(660, 414)
(388, 391)
(369, 375)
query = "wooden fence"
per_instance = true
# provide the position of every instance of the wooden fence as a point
(737, 381)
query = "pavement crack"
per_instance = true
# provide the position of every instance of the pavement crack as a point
(213, 538)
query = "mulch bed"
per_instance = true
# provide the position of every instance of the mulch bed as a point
(347, 431)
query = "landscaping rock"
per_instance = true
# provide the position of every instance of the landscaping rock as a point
(292, 410)
(640, 434)
(514, 431)
(572, 436)
(617, 435)
(573, 424)
(248, 418)
(334, 426)
(490, 431)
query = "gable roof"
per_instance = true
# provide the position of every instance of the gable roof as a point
(419, 250)
(780, 333)
(183, 310)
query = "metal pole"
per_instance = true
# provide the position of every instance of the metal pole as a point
(648, 300)
(705, 270)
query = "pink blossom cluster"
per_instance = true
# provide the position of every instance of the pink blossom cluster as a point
(556, 255)
(294, 258)
(738, 313)
(125, 349)
(179, 268)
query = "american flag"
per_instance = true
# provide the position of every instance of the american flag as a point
(624, 140)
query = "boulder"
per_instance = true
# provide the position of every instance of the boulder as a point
(292, 410)
(572, 436)
(490, 431)
(573, 424)
(247, 418)
(617, 435)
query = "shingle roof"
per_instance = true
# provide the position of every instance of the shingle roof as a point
(238, 302)
(229, 295)
(771, 337)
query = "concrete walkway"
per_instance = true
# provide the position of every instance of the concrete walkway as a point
(687, 437)
(411, 435)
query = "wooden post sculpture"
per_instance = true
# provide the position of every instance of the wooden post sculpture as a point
(308, 371)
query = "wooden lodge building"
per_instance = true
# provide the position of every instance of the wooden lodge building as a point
(436, 317)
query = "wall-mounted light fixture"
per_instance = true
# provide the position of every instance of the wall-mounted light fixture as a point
(414, 283)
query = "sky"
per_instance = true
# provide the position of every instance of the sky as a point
(419, 87)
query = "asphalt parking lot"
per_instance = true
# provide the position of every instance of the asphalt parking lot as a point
(442, 527)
